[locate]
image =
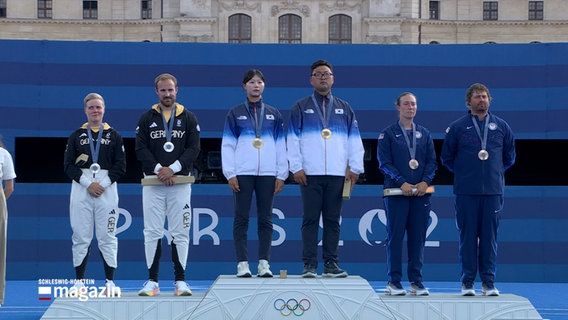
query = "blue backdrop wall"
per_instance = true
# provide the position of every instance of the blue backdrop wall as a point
(42, 84)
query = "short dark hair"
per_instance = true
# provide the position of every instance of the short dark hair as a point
(320, 63)
(251, 73)
(476, 87)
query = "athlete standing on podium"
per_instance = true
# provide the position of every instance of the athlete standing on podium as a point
(95, 160)
(253, 153)
(479, 147)
(408, 161)
(323, 139)
(167, 144)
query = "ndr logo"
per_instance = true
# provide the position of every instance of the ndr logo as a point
(367, 223)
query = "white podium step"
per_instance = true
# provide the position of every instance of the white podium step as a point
(294, 297)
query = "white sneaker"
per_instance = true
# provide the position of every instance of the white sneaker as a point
(395, 289)
(243, 270)
(264, 269)
(182, 289)
(468, 289)
(150, 289)
(488, 289)
(111, 289)
(418, 289)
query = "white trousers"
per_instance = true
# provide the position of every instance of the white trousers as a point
(101, 214)
(173, 202)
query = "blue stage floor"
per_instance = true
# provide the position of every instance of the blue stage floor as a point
(23, 302)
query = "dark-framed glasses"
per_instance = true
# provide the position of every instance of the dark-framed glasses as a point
(321, 75)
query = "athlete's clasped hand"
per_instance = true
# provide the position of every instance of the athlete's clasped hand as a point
(95, 189)
(166, 175)
(414, 190)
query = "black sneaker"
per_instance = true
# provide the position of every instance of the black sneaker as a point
(332, 270)
(309, 271)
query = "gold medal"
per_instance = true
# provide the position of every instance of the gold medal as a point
(326, 133)
(257, 143)
(413, 164)
(483, 155)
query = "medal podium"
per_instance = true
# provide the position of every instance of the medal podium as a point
(283, 298)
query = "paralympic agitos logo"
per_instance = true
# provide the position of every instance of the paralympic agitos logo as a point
(369, 219)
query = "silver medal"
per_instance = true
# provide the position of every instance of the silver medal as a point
(169, 147)
(95, 168)
(413, 164)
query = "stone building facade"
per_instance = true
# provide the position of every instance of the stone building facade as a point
(288, 21)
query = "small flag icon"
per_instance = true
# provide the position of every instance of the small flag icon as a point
(44, 293)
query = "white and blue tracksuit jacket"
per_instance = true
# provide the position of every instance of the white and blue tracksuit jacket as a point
(240, 157)
(307, 149)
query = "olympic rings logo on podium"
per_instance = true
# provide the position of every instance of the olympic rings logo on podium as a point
(292, 306)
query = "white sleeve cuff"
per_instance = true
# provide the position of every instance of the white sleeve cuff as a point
(85, 182)
(106, 182)
(176, 166)
(157, 168)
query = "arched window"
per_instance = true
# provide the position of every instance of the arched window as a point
(340, 29)
(290, 29)
(240, 28)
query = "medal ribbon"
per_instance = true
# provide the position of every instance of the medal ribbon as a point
(485, 130)
(169, 125)
(411, 149)
(256, 122)
(95, 149)
(324, 116)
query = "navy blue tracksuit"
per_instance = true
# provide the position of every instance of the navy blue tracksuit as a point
(406, 214)
(478, 186)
